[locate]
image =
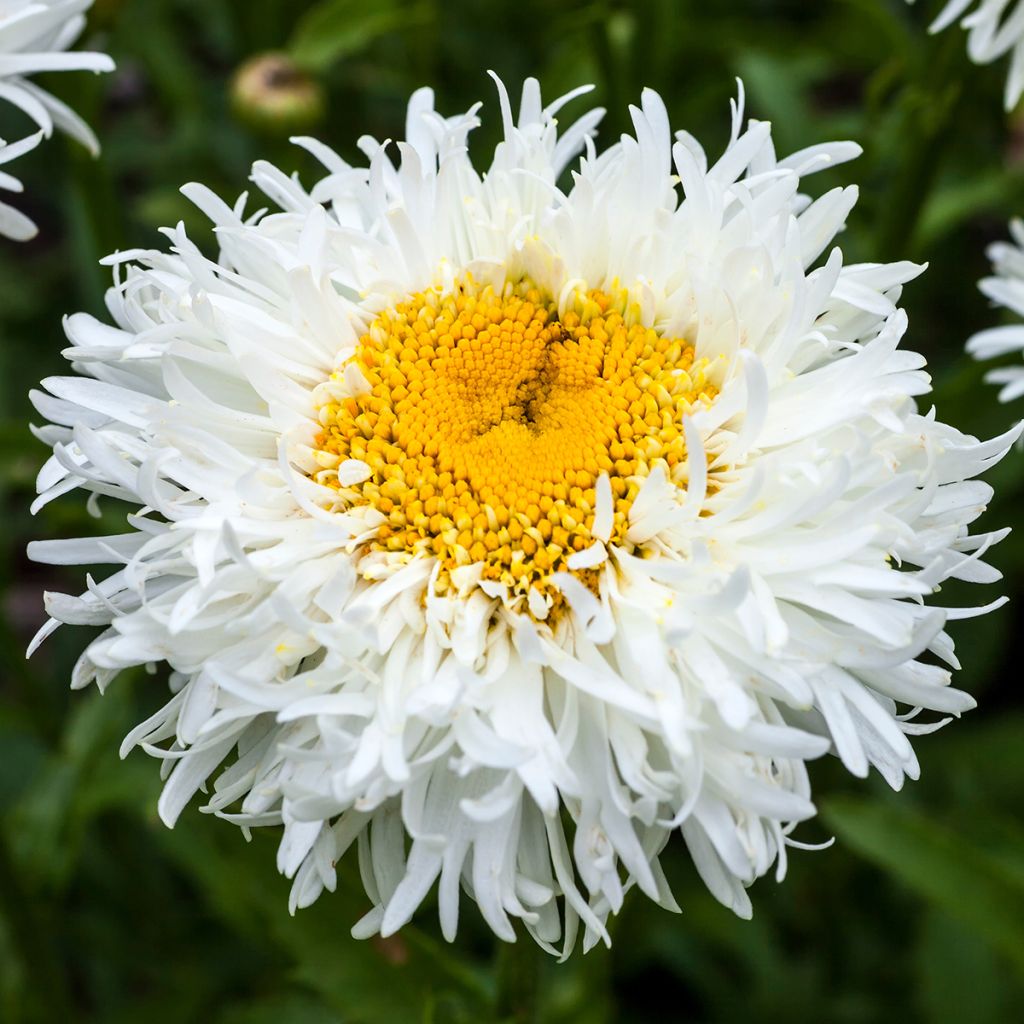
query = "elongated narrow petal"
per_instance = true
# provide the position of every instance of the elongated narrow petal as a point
(994, 28)
(35, 36)
(1005, 288)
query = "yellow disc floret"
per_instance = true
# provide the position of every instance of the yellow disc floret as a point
(485, 420)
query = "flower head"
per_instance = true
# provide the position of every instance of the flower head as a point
(1005, 288)
(511, 530)
(994, 28)
(34, 35)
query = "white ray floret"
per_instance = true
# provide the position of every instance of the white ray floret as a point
(994, 28)
(769, 600)
(35, 36)
(1006, 289)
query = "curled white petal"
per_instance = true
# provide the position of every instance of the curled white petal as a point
(994, 28)
(34, 37)
(1004, 288)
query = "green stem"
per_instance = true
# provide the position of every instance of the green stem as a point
(612, 63)
(927, 121)
(40, 967)
(519, 967)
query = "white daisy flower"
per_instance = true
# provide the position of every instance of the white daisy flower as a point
(511, 531)
(34, 35)
(1006, 289)
(994, 28)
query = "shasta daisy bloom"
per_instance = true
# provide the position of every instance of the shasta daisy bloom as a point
(994, 28)
(1005, 288)
(511, 531)
(34, 35)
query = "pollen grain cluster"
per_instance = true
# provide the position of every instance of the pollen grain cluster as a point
(484, 420)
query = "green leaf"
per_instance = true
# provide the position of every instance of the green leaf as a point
(368, 982)
(22, 755)
(945, 868)
(960, 201)
(12, 969)
(960, 978)
(282, 1008)
(74, 785)
(334, 29)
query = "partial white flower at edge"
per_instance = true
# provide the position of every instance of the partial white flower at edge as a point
(994, 28)
(1005, 288)
(34, 35)
(376, 640)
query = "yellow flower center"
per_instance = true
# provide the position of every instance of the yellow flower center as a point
(485, 420)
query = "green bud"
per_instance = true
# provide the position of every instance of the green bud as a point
(272, 95)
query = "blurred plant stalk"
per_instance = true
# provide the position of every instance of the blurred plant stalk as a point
(930, 103)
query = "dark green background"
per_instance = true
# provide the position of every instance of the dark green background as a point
(917, 913)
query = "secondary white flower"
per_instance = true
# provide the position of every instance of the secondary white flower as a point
(1005, 289)
(33, 37)
(994, 28)
(505, 531)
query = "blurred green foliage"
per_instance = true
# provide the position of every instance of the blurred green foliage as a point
(916, 914)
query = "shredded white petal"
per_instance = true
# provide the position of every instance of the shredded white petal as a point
(1004, 288)
(34, 37)
(994, 28)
